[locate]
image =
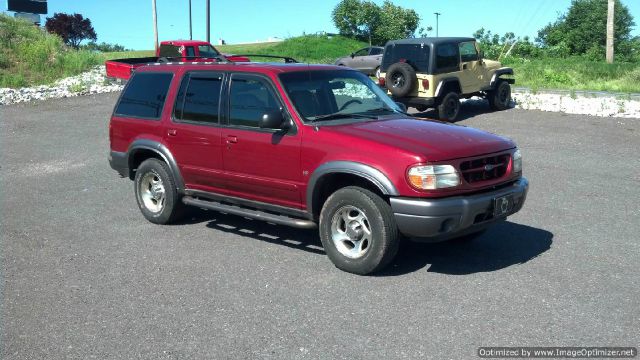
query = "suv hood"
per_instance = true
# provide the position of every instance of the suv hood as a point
(436, 140)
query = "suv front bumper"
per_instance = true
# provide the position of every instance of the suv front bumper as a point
(442, 219)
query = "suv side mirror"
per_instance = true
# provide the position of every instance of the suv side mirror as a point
(273, 119)
(481, 55)
(353, 55)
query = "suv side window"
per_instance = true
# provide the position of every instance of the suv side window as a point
(361, 52)
(198, 99)
(447, 57)
(468, 52)
(144, 95)
(375, 51)
(250, 97)
(191, 51)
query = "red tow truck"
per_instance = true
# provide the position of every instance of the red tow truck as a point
(171, 50)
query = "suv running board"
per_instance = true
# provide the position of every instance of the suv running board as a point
(250, 213)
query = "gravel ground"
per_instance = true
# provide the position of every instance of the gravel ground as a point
(94, 82)
(85, 276)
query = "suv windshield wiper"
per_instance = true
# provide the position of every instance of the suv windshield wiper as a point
(339, 115)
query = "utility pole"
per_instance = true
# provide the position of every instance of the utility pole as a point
(155, 24)
(208, 21)
(610, 30)
(437, 25)
(190, 23)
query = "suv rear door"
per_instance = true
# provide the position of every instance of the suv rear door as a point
(194, 133)
(260, 164)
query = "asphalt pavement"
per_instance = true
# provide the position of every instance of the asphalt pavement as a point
(86, 276)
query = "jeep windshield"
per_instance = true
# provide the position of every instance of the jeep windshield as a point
(336, 94)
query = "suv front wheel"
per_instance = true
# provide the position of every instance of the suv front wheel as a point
(449, 107)
(156, 192)
(358, 230)
(500, 98)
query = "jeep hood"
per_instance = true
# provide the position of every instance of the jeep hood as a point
(435, 140)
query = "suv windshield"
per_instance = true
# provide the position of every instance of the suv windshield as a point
(208, 51)
(336, 94)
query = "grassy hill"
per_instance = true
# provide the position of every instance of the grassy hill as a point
(31, 56)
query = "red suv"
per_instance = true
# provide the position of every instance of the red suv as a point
(308, 146)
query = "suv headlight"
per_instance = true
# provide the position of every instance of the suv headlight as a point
(431, 177)
(517, 161)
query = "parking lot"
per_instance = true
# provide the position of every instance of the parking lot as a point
(85, 275)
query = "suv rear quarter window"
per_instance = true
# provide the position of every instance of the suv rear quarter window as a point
(144, 95)
(447, 58)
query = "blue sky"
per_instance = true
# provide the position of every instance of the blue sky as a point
(129, 22)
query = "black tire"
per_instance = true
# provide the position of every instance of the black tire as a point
(401, 79)
(379, 245)
(449, 107)
(421, 108)
(158, 211)
(500, 98)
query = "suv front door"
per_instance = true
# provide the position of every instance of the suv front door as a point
(259, 164)
(472, 70)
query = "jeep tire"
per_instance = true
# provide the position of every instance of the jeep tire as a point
(500, 97)
(156, 192)
(358, 230)
(449, 107)
(401, 79)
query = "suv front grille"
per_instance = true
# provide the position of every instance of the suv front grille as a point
(484, 169)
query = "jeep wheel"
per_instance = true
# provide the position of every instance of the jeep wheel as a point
(449, 107)
(500, 98)
(358, 230)
(401, 79)
(156, 192)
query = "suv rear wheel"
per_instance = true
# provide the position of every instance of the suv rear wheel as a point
(449, 107)
(500, 98)
(156, 192)
(358, 230)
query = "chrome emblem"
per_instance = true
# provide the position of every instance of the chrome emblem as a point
(490, 167)
(504, 205)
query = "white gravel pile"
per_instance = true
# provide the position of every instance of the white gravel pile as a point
(90, 82)
(605, 106)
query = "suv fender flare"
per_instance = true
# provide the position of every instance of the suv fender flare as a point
(162, 151)
(371, 174)
(447, 81)
(497, 74)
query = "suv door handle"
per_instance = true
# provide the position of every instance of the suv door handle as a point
(172, 132)
(232, 139)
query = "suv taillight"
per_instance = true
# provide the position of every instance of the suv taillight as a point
(425, 84)
(381, 81)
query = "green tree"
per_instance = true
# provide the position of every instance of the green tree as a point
(396, 23)
(582, 30)
(365, 20)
